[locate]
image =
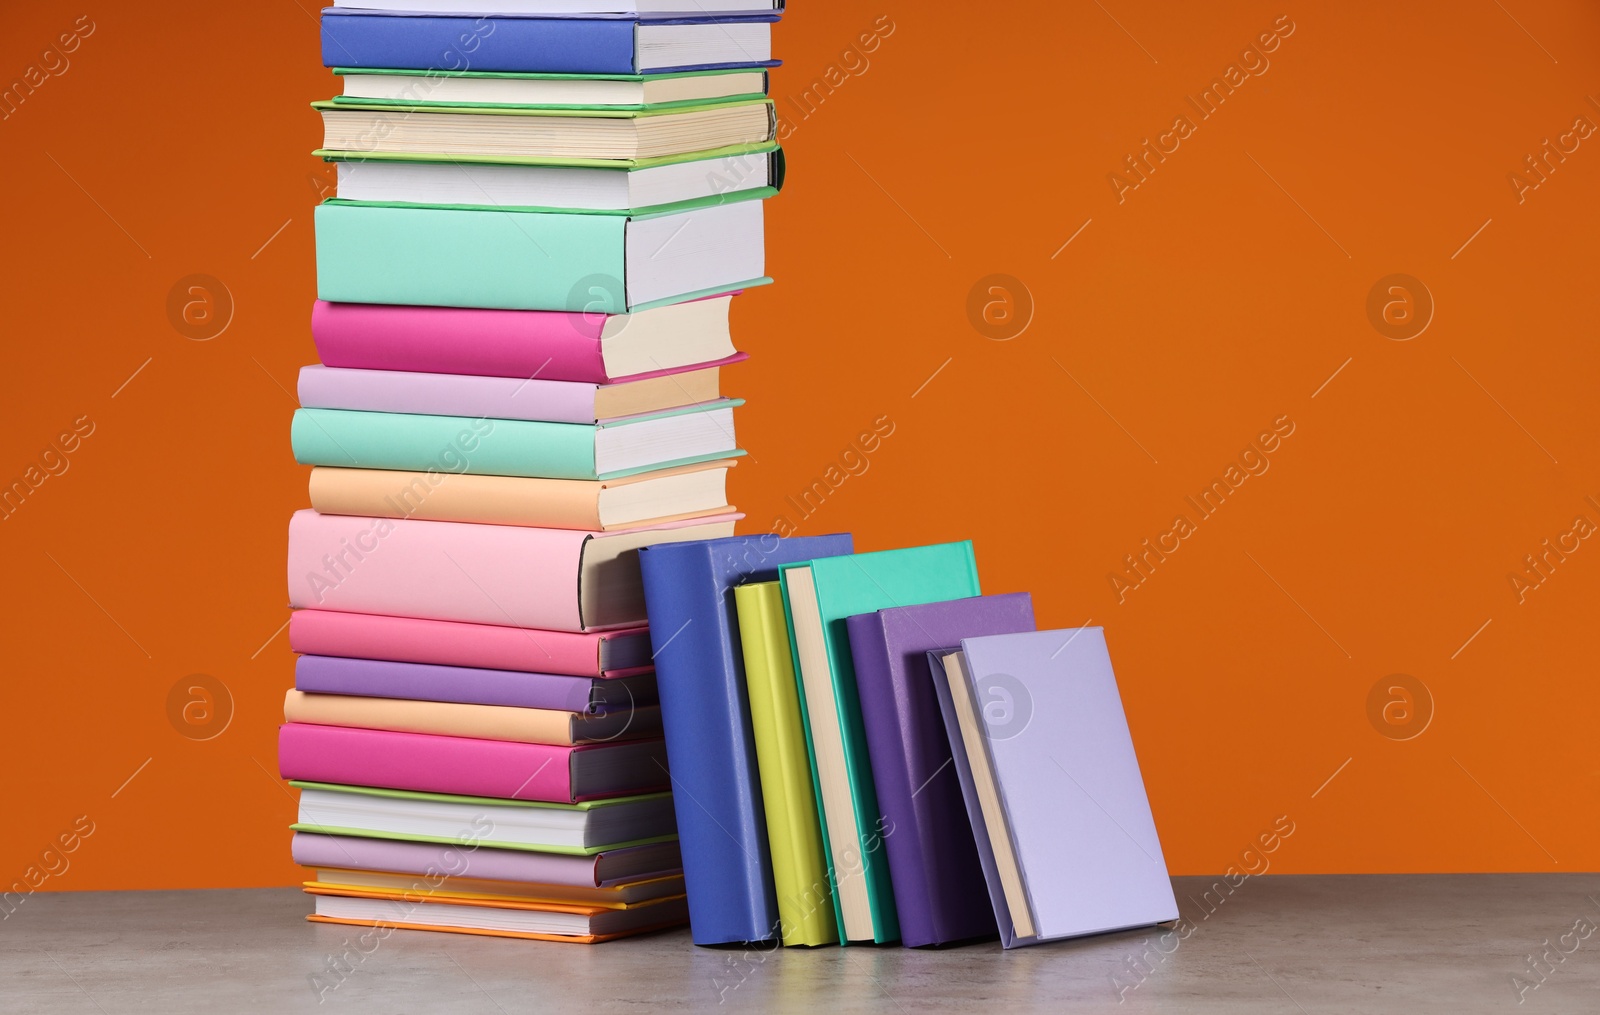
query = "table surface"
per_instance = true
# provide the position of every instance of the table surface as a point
(1389, 943)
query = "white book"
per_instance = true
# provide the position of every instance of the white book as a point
(506, 186)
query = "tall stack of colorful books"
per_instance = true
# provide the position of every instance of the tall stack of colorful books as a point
(545, 210)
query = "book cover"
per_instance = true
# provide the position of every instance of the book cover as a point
(939, 891)
(512, 723)
(476, 574)
(844, 587)
(1071, 837)
(706, 714)
(554, 344)
(383, 678)
(583, 504)
(582, 924)
(470, 858)
(527, 260)
(481, 446)
(461, 765)
(570, 45)
(799, 870)
(485, 646)
(436, 394)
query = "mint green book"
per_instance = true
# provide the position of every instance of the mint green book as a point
(575, 261)
(818, 596)
(408, 442)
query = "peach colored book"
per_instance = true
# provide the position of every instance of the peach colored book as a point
(650, 498)
(484, 722)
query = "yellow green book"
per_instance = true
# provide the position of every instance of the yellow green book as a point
(799, 868)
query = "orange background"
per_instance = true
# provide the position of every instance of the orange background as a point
(1175, 326)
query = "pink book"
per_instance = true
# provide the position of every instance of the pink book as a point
(553, 579)
(350, 852)
(481, 646)
(428, 763)
(552, 345)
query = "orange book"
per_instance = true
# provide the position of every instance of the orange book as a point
(534, 921)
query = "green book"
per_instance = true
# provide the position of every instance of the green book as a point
(818, 596)
(345, 438)
(799, 865)
(576, 261)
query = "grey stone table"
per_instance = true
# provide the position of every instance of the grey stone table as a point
(1442, 943)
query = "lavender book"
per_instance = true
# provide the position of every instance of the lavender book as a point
(1052, 786)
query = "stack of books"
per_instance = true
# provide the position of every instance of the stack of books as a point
(543, 217)
(868, 749)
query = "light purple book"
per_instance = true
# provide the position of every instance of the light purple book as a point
(381, 678)
(324, 387)
(349, 852)
(1066, 839)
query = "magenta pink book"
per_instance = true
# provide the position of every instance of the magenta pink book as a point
(470, 767)
(550, 344)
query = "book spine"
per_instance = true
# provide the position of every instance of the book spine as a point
(421, 682)
(476, 574)
(887, 723)
(727, 866)
(454, 340)
(800, 874)
(527, 45)
(448, 497)
(426, 763)
(435, 394)
(455, 258)
(350, 852)
(516, 724)
(443, 444)
(410, 639)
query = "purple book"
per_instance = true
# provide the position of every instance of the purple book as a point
(939, 889)
(349, 852)
(379, 678)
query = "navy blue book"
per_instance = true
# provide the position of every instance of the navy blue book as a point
(705, 709)
(616, 44)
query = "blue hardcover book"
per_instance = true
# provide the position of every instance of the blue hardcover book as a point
(688, 589)
(618, 44)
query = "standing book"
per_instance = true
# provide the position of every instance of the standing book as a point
(939, 891)
(706, 714)
(799, 871)
(818, 597)
(1052, 786)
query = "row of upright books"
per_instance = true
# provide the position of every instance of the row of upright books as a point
(545, 212)
(865, 748)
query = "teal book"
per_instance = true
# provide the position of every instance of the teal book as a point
(819, 596)
(481, 446)
(599, 262)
